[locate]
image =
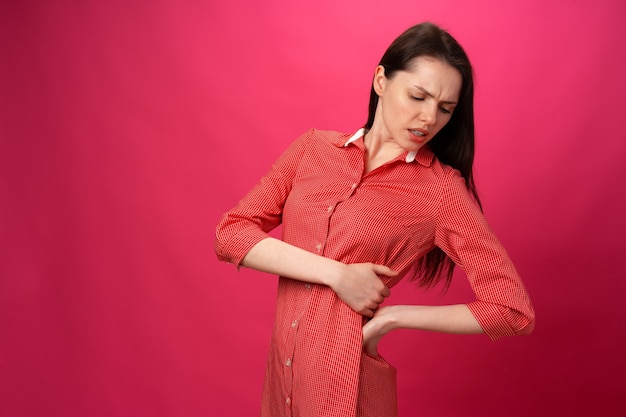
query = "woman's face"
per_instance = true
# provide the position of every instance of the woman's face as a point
(415, 104)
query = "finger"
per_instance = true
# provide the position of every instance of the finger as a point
(371, 347)
(372, 307)
(372, 352)
(384, 270)
(385, 292)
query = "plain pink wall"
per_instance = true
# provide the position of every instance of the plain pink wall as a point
(128, 128)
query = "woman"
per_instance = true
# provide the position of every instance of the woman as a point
(358, 213)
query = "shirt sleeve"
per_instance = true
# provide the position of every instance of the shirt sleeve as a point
(260, 211)
(503, 306)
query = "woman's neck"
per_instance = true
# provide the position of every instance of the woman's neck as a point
(379, 151)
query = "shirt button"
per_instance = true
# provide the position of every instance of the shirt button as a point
(307, 286)
(354, 186)
(319, 247)
(288, 401)
(330, 208)
(295, 323)
(288, 362)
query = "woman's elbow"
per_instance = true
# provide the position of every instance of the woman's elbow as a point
(525, 325)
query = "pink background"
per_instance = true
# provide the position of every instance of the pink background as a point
(128, 128)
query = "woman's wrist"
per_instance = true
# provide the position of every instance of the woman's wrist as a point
(334, 272)
(389, 318)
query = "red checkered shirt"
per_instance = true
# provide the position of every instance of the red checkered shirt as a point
(392, 215)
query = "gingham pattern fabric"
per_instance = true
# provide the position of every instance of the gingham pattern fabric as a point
(392, 215)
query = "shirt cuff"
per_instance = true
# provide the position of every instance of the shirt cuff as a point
(236, 248)
(498, 321)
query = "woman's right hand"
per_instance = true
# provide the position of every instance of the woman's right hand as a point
(360, 287)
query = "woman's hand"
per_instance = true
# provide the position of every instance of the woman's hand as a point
(455, 318)
(374, 330)
(360, 287)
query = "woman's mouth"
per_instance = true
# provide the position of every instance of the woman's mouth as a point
(419, 135)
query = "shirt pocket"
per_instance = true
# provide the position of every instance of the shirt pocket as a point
(377, 388)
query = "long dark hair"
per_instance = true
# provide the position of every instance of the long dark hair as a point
(454, 144)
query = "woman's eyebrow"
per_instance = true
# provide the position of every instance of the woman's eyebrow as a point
(423, 90)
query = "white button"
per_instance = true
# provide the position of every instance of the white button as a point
(319, 247)
(354, 186)
(288, 401)
(330, 208)
(288, 362)
(307, 286)
(295, 323)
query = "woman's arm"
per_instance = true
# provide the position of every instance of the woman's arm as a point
(502, 306)
(242, 238)
(447, 319)
(358, 285)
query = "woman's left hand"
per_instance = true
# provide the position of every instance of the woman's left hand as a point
(378, 326)
(455, 318)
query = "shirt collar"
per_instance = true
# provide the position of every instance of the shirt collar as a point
(354, 137)
(424, 155)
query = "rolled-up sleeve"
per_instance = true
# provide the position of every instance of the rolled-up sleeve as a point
(260, 211)
(503, 306)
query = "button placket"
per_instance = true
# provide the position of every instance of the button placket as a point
(292, 329)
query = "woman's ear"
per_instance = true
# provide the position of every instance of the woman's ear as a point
(379, 80)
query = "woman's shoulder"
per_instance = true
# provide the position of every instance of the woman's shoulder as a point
(445, 171)
(328, 136)
(452, 183)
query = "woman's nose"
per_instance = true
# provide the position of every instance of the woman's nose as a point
(428, 116)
